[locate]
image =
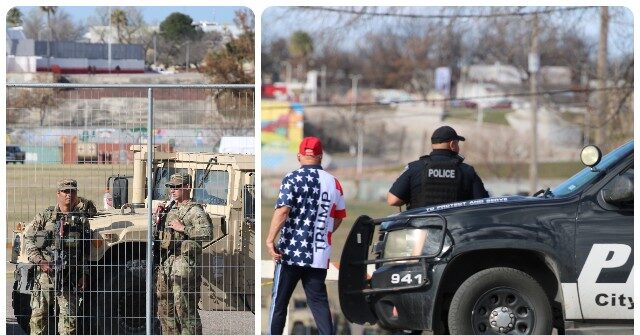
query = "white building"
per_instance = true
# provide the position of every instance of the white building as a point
(104, 34)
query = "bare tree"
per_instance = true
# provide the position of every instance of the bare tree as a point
(39, 100)
(59, 27)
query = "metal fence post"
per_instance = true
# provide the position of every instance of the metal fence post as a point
(150, 265)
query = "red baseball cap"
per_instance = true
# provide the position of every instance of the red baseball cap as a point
(310, 143)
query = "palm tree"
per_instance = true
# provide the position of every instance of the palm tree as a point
(301, 47)
(50, 10)
(120, 20)
(14, 17)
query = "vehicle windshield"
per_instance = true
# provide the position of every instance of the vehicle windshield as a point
(214, 189)
(586, 176)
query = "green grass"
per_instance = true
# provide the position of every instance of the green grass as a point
(354, 210)
(495, 116)
(551, 170)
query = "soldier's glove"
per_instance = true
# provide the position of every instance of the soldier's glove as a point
(45, 267)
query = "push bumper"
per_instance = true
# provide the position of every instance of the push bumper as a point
(400, 294)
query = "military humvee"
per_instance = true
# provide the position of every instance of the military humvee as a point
(223, 184)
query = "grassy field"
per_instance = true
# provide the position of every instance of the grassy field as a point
(31, 188)
(354, 210)
(496, 116)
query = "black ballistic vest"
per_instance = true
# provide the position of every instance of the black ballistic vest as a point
(441, 182)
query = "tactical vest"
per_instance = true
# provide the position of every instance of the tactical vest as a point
(171, 240)
(441, 182)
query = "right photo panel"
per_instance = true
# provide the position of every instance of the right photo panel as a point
(447, 170)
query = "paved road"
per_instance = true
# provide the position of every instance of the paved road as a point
(218, 323)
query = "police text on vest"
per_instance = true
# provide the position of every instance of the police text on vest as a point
(441, 173)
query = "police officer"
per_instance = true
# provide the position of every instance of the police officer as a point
(437, 178)
(62, 276)
(180, 270)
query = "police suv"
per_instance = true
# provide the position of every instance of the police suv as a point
(506, 265)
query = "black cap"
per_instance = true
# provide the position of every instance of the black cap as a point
(445, 134)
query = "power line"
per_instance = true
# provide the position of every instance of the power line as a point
(518, 13)
(440, 100)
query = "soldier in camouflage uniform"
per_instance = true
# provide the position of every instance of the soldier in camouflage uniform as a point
(179, 272)
(39, 244)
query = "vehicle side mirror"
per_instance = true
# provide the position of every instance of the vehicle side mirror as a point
(621, 190)
(120, 190)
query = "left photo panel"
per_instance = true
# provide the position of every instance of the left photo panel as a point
(130, 170)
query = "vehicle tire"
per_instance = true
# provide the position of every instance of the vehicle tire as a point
(121, 305)
(21, 304)
(500, 297)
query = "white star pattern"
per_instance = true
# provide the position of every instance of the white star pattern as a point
(300, 191)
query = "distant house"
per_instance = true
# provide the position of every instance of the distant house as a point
(207, 26)
(487, 85)
(496, 73)
(27, 55)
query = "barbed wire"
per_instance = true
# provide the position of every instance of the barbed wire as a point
(445, 16)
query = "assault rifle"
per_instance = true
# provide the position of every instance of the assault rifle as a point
(60, 257)
(161, 220)
(71, 236)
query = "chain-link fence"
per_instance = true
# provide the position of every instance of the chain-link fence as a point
(85, 195)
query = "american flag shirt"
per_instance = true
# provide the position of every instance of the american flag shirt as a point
(316, 200)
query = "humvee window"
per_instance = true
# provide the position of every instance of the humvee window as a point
(160, 191)
(213, 190)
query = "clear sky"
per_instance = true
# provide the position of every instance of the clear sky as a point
(155, 14)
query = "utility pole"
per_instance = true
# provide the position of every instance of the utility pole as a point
(323, 83)
(109, 46)
(359, 121)
(602, 77)
(534, 66)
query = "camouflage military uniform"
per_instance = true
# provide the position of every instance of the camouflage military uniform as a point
(179, 274)
(38, 243)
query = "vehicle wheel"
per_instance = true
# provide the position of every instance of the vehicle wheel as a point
(123, 309)
(500, 301)
(21, 303)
